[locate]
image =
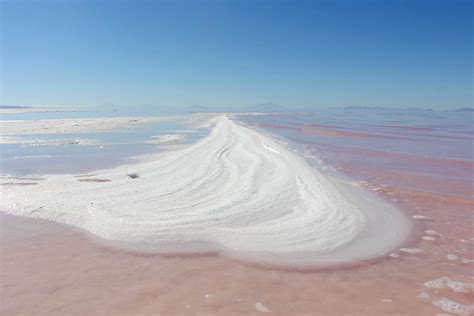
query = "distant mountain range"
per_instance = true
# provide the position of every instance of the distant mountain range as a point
(380, 108)
(465, 110)
(14, 107)
(266, 107)
(263, 107)
(198, 108)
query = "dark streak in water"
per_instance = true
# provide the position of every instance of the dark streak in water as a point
(94, 180)
(84, 175)
(19, 183)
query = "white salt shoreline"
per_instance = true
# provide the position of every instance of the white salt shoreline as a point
(79, 125)
(15, 140)
(236, 191)
(19, 110)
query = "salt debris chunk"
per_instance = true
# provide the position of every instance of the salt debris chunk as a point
(261, 308)
(451, 257)
(420, 217)
(411, 250)
(423, 295)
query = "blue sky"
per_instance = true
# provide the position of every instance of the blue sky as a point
(311, 54)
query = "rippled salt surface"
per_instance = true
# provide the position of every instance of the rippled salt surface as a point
(236, 191)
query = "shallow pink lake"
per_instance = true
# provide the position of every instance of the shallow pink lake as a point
(420, 162)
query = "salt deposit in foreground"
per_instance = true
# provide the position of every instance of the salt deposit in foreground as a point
(236, 191)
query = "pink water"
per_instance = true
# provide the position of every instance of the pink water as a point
(48, 268)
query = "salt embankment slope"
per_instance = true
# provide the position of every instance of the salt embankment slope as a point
(236, 191)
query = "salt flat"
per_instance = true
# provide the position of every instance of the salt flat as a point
(237, 192)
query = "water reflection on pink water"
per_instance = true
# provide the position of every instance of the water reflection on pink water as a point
(421, 162)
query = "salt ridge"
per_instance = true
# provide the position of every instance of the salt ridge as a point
(236, 191)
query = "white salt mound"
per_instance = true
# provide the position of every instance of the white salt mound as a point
(236, 191)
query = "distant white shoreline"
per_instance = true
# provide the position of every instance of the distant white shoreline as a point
(39, 109)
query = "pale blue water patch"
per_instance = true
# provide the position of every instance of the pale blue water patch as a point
(114, 148)
(68, 158)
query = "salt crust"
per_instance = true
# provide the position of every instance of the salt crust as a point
(236, 191)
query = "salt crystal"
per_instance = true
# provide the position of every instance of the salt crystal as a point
(423, 295)
(451, 257)
(419, 217)
(411, 250)
(261, 308)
